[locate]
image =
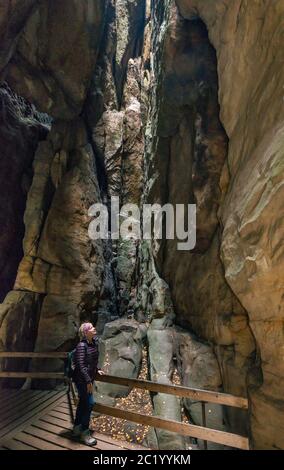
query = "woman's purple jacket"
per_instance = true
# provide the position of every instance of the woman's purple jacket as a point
(86, 361)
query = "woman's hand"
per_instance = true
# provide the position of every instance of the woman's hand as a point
(90, 388)
(101, 372)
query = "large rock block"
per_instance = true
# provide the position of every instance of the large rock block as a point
(60, 260)
(120, 355)
(56, 55)
(161, 353)
(198, 367)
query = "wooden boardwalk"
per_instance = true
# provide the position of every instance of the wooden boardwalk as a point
(41, 420)
(32, 417)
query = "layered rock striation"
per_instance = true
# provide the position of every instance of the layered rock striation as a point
(176, 102)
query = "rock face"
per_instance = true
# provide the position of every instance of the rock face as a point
(13, 16)
(61, 264)
(120, 354)
(198, 366)
(20, 132)
(252, 213)
(162, 102)
(186, 149)
(56, 54)
(214, 288)
(161, 353)
(114, 115)
(19, 317)
(60, 260)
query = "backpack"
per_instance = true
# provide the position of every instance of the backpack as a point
(69, 366)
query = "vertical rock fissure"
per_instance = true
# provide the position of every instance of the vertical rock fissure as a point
(135, 90)
(217, 348)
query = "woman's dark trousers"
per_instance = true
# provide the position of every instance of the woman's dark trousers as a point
(85, 406)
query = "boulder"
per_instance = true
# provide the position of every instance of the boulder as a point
(161, 352)
(120, 355)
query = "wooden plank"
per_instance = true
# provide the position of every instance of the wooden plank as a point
(43, 427)
(69, 409)
(9, 402)
(35, 355)
(66, 424)
(51, 433)
(22, 401)
(65, 406)
(62, 409)
(8, 393)
(61, 416)
(65, 403)
(68, 401)
(212, 435)
(16, 445)
(178, 390)
(22, 421)
(36, 442)
(65, 411)
(62, 423)
(23, 407)
(33, 375)
(103, 442)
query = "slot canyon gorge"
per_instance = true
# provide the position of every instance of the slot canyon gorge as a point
(154, 102)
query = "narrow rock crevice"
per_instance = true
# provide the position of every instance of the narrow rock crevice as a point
(161, 102)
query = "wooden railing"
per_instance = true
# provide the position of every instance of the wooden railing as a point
(204, 396)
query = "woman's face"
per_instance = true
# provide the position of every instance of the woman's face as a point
(91, 333)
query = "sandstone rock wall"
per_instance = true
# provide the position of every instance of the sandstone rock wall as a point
(186, 147)
(222, 290)
(114, 116)
(13, 17)
(173, 101)
(53, 66)
(248, 37)
(20, 132)
(55, 57)
(61, 271)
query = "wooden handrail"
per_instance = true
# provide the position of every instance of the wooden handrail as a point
(177, 390)
(204, 396)
(33, 375)
(35, 355)
(199, 432)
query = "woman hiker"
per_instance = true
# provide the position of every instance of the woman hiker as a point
(86, 368)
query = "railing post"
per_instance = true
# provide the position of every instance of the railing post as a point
(204, 421)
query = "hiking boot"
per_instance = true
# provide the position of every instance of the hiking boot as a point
(76, 432)
(87, 439)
